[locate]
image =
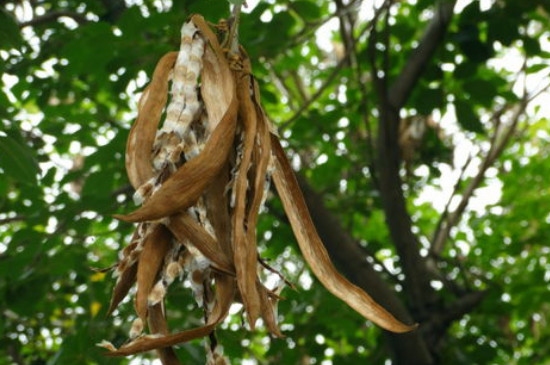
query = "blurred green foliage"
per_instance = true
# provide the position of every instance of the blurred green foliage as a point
(70, 73)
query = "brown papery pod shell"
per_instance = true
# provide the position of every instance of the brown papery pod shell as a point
(314, 251)
(226, 287)
(142, 344)
(186, 185)
(184, 227)
(261, 157)
(123, 285)
(216, 202)
(157, 324)
(225, 292)
(245, 250)
(156, 245)
(268, 311)
(142, 134)
(216, 77)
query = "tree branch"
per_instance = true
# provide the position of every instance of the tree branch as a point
(14, 352)
(328, 81)
(311, 26)
(495, 151)
(456, 186)
(439, 322)
(17, 218)
(315, 96)
(417, 275)
(346, 30)
(298, 82)
(421, 56)
(54, 15)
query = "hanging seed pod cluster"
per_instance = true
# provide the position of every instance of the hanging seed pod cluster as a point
(201, 179)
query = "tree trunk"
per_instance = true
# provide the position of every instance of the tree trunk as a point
(407, 349)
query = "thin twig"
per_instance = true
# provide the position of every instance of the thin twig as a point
(315, 96)
(421, 55)
(54, 15)
(346, 30)
(494, 152)
(268, 267)
(339, 66)
(311, 27)
(364, 106)
(17, 218)
(234, 31)
(456, 186)
(298, 82)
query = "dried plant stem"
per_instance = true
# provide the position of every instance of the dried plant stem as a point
(234, 31)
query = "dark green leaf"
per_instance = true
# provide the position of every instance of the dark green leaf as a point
(531, 46)
(501, 30)
(426, 100)
(18, 161)
(466, 117)
(10, 36)
(481, 91)
(465, 70)
(306, 9)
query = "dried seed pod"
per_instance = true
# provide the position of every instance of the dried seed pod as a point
(225, 292)
(143, 131)
(245, 250)
(106, 345)
(203, 179)
(124, 282)
(156, 245)
(157, 325)
(156, 295)
(315, 253)
(184, 227)
(181, 190)
(136, 329)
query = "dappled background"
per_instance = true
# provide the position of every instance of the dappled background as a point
(419, 132)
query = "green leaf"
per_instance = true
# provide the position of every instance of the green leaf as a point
(466, 117)
(17, 160)
(10, 36)
(425, 100)
(468, 39)
(307, 10)
(531, 46)
(212, 10)
(501, 30)
(92, 59)
(536, 68)
(482, 91)
(465, 70)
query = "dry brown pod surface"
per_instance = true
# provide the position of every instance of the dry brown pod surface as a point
(202, 179)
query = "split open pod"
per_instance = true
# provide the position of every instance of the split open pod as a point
(201, 179)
